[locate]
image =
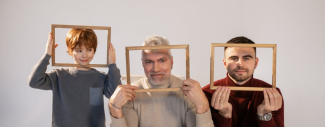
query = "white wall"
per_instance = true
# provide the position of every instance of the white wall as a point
(297, 26)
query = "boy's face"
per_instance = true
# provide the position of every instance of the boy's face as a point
(82, 55)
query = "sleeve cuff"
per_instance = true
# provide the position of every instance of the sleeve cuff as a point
(204, 119)
(46, 57)
(266, 123)
(113, 65)
(118, 122)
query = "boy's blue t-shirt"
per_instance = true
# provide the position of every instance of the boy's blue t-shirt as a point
(77, 94)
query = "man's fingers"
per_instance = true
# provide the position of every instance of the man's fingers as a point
(185, 87)
(266, 98)
(129, 86)
(187, 83)
(223, 94)
(185, 92)
(227, 95)
(277, 98)
(271, 98)
(214, 96)
(217, 100)
(130, 95)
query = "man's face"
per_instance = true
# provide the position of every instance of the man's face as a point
(240, 62)
(157, 67)
(83, 55)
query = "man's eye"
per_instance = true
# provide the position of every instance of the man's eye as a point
(162, 61)
(148, 62)
(246, 58)
(232, 58)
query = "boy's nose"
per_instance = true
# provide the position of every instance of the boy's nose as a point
(84, 54)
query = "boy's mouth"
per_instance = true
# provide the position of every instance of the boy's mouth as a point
(84, 60)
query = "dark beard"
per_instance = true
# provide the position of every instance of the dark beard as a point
(239, 79)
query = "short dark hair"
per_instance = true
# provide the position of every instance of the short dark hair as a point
(241, 40)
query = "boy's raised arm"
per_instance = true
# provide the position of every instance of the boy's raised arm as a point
(114, 76)
(38, 78)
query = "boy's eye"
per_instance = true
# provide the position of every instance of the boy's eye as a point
(78, 50)
(89, 49)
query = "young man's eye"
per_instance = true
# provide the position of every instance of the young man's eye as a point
(233, 58)
(246, 58)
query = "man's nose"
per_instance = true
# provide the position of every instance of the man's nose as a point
(156, 67)
(240, 63)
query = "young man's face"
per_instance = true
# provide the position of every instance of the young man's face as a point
(240, 62)
(83, 55)
(157, 67)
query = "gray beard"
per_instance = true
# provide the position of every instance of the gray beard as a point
(153, 82)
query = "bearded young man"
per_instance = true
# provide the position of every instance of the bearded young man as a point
(187, 108)
(244, 108)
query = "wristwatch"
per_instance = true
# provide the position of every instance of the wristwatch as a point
(266, 117)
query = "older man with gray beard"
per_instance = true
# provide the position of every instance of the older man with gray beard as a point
(187, 108)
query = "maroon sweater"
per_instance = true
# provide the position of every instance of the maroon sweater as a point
(244, 106)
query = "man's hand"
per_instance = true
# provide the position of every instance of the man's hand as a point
(120, 97)
(272, 102)
(192, 89)
(111, 55)
(49, 45)
(220, 102)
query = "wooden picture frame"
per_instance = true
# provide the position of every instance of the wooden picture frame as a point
(81, 27)
(213, 45)
(127, 49)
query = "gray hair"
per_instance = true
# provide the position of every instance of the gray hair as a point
(155, 41)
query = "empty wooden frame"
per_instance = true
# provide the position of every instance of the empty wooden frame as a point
(213, 45)
(81, 27)
(127, 49)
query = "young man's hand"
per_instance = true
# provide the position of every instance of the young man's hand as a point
(220, 102)
(192, 89)
(120, 97)
(49, 45)
(272, 102)
(111, 55)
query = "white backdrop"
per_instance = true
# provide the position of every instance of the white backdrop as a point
(297, 26)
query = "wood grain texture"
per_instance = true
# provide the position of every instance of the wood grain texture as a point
(158, 90)
(213, 45)
(187, 55)
(54, 26)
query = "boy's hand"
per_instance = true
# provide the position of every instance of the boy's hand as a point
(49, 44)
(111, 56)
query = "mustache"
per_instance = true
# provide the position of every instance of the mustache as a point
(160, 73)
(240, 69)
